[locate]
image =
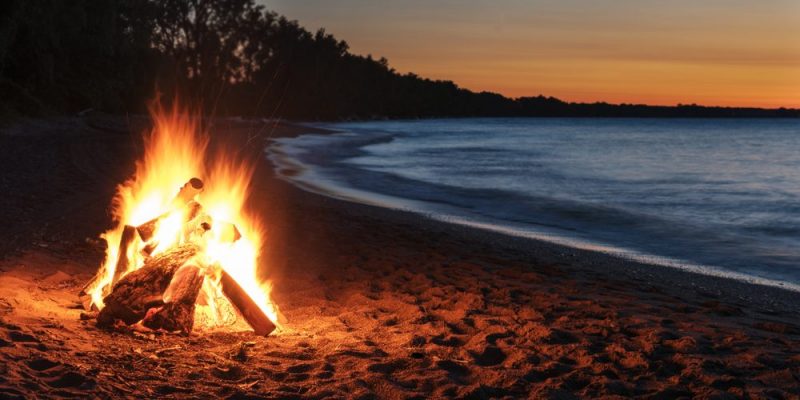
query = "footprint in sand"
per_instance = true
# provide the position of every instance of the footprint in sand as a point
(228, 373)
(41, 364)
(388, 367)
(299, 368)
(22, 337)
(491, 355)
(454, 369)
(70, 379)
(447, 341)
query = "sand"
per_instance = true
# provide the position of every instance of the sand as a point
(378, 303)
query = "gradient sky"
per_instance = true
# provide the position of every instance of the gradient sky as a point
(712, 52)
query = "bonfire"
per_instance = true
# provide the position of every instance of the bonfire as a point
(183, 254)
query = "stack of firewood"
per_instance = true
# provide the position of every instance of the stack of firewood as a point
(162, 294)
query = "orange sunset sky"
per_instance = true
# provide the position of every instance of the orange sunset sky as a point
(713, 52)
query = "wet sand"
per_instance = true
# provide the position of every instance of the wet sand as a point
(378, 303)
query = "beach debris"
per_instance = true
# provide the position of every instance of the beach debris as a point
(244, 304)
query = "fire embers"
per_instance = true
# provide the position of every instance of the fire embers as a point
(169, 265)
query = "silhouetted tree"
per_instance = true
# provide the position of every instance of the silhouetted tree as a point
(235, 57)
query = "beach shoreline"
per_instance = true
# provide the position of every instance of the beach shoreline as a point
(742, 289)
(379, 303)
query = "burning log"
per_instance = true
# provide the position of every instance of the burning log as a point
(156, 274)
(147, 229)
(177, 314)
(184, 198)
(127, 238)
(143, 289)
(187, 192)
(260, 323)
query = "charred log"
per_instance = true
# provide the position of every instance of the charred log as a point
(143, 289)
(259, 321)
(177, 313)
(147, 229)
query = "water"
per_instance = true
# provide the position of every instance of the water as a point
(715, 196)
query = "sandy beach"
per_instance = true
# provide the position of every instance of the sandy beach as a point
(377, 303)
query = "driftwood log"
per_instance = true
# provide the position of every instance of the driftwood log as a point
(190, 189)
(147, 229)
(123, 262)
(177, 313)
(143, 289)
(183, 198)
(260, 323)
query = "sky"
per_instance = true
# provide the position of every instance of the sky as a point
(710, 52)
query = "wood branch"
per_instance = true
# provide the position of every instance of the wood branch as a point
(184, 197)
(123, 262)
(86, 298)
(147, 229)
(86, 302)
(143, 289)
(190, 189)
(259, 321)
(196, 226)
(177, 313)
(194, 209)
(88, 284)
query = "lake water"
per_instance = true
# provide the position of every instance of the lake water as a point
(716, 196)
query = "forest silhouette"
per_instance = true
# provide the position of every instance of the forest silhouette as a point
(237, 58)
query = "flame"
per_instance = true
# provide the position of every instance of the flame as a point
(175, 151)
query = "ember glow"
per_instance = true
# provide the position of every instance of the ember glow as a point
(166, 195)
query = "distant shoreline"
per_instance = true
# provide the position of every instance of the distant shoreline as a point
(446, 117)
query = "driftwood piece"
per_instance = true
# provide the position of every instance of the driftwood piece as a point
(190, 189)
(193, 210)
(184, 197)
(177, 313)
(148, 229)
(143, 289)
(86, 298)
(259, 321)
(123, 262)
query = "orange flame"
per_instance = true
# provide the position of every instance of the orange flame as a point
(175, 152)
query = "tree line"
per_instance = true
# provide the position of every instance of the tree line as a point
(235, 57)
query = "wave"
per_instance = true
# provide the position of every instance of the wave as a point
(562, 221)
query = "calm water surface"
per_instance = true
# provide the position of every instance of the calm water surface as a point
(720, 196)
